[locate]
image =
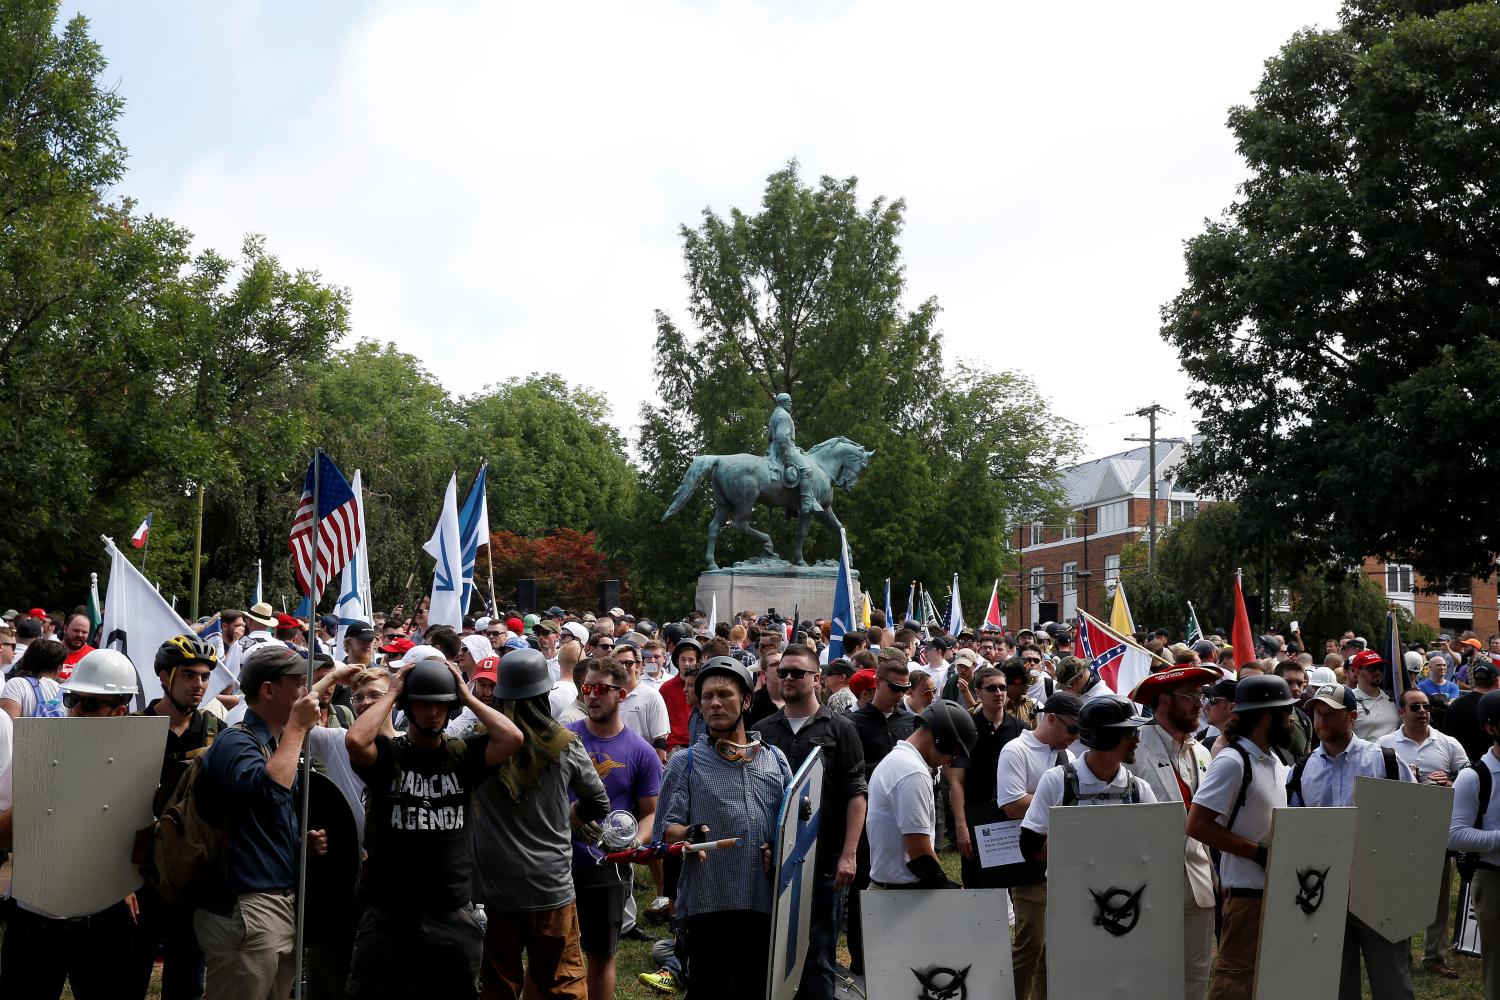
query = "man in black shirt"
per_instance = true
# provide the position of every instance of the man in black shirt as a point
(881, 724)
(419, 926)
(1462, 718)
(971, 781)
(795, 730)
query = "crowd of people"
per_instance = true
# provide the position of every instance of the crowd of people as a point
(490, 769)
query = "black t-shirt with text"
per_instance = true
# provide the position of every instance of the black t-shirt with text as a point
(417, 823)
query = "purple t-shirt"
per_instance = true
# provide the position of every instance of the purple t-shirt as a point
(630, 770)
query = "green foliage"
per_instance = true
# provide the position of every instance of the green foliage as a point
(1325, 602)
(1339, 319)
(805, 297)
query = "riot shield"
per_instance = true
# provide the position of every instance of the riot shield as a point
(331, 877)
(937, 943)
(795, 856)
(1400, 838)
(83, 787)
(1115, 894)
(1304, 907)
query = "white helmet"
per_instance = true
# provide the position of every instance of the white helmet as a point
(105, 672)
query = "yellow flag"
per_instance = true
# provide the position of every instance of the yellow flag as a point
(1119, 617)
(865, 614)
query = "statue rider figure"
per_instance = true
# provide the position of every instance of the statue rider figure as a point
(788, 462)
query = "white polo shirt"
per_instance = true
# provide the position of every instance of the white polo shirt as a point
(900, 802)
(1377, 715)
(645, 712)
(1023, 761)
(1049, 793)
(1220, 790)
(1439, 752)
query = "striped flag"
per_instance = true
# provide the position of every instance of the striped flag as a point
(473, 531)
(890, 616)
(336, 523)
(843, 603)
(139, 538)
(1192, 631)
(992, 619)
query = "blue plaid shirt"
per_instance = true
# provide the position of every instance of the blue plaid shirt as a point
(735, 799)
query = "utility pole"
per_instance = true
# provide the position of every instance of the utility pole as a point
(1150, 412)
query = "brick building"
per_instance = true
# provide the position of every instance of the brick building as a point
(1072, 566)
(1459, 603)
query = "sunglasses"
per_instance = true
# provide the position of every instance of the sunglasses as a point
(87, 702)
(1031, 659)
(599, 690)
(604, 645)
(993, 688)
(897, 687)
(626, 661)
(493, 635)
(1419, 706)
(792, 673)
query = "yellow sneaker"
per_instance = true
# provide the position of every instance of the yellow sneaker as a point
(662, 981)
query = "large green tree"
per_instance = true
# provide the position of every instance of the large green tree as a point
(1340, 318)
(806, 296)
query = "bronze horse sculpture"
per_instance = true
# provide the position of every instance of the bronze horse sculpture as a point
(741, 481)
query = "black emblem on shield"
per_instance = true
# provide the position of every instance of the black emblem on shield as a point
(939, 983)
(1117, 910)
(1310, 889)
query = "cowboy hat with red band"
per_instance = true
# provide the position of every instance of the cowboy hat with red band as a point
(1146, 691)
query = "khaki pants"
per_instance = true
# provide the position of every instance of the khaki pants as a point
(1029, 949)
(1239, 940)
(1485, 892)
(553, 958)
(251, 951)
(1198, 948)
(1435, 946)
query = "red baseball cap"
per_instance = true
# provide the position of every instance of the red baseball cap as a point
(401, 644)
(37, 613)
(863, 680)
(487, 668)
(284, 620)
(515, 625)
(1366, 658)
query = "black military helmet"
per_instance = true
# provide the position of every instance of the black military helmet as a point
(675, 632)
(686, 644)
(727, 666)
(953, 730)
(1262, 691)
(523, 674)
(431, 680)
(1103, 721)
(1489, 708)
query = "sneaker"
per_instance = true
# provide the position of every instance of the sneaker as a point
(659, 910)
(662, 981)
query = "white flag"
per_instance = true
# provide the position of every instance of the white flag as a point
(446, 547)
(137, 620)
(354, 591)
(713, 614)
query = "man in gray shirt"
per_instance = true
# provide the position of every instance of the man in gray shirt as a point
(523, 857)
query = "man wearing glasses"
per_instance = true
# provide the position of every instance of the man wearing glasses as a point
(1436, 759)
(1023, 761)
(800, 725)
(971, 783)
(1171, 762)
(881, 724)
(641, 707)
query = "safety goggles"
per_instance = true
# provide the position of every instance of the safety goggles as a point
(598, 690)
(88, 702)
(738, 752)
(792, 673)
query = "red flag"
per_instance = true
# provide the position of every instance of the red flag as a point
(992, 619)
(139, 538)
(1241, 639)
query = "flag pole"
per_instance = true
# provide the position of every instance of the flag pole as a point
(197, 553)
(146, 549)
(312, 602)
(1125, 638)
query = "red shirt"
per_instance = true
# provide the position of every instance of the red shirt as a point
(678, 711)
(73, 658)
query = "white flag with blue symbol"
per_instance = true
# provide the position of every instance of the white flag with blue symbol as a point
(446, 546)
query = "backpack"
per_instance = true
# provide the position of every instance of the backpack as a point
(46, 708)
(1131, 796)
(1239, 803)
(1294, 787)
(1467, 862)
(340, 717)
(190, 843)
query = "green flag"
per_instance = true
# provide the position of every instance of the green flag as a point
(95, 618)
(1192, 630)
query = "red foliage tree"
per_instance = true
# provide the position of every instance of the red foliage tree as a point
(567, 566)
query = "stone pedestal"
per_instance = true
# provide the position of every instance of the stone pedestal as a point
(759, 585)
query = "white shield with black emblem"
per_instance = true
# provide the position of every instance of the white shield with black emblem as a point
(936, 944)
(1115, 894)
(1400, 838)
(796, 851)
(1304, 906)
(83, 788)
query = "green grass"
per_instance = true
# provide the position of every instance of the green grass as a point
(634, 957)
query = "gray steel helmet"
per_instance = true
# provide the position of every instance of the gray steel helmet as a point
(726, 665)
(523, 674)
(1103, 721)
(686, 644)
(1262, 691)
(953, 730)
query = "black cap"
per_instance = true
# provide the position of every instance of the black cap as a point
(840, 666)
(554, 612)
(29, 629)
(330, 623)
(1221, 689)
(361, 630)
(1063, 703)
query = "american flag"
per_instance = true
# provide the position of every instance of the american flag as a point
(338, 528)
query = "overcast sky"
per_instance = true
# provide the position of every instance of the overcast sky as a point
(500, 185)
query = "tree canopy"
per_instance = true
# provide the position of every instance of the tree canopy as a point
(1339, 319)
(806, 296)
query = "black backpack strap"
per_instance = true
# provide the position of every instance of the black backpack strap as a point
(1062, 758)
(1294, 787)
(1486, 786)
(1239, 803)
(1133, 797)
(1070, 784)
(1391, 764)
